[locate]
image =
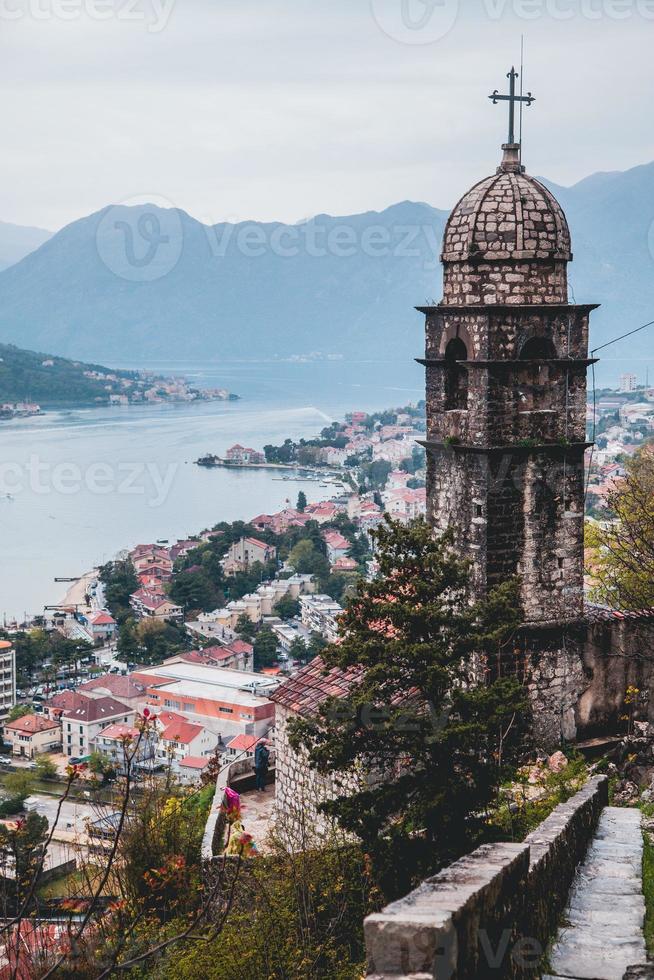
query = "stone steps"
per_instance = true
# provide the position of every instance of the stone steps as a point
(602, 934)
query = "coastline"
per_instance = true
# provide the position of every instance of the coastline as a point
(78, 589)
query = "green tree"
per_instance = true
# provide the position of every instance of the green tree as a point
(265, 649)
(19, 784)
(375, 474)
(306, 559)
(245, 627)
(298, 650)
(128, 644)
(102, 766)
(158, 640)
(301, 501)
(287, 607)
(316, 645)
(194, 590)
(444, 752)
(620, 554)
(46, 768)
(19, 711)
(22, 843)
(119, 580)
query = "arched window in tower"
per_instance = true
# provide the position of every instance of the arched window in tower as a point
(534, 379)
(456, 375)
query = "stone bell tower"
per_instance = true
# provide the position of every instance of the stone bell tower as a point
(506, 359)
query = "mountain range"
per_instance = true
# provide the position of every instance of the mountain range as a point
(143, 282)
(17, 241)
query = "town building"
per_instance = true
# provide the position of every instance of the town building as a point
(81, 725)
(242, 747)
(337, 545)
(102, 626)
(628, 382)
(191, 767)
(237, 655)
(246, 552)
(122, 743)
(121, 687)
(155, 605)
(405, 505)
(183, 738)
(32, 735)
(7, 678)
(227, 702)
(59, 703)
(243, 455)
(319, 614)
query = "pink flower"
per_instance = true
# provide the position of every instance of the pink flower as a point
(232, 799)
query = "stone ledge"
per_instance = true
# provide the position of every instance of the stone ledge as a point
(502, 900)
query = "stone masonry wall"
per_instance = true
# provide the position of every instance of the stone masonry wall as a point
(299, 791)
(515, 283)
(515, 513)
(490, 913)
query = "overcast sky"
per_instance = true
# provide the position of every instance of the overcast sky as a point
(280, 109)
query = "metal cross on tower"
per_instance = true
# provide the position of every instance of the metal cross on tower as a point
(512, 98)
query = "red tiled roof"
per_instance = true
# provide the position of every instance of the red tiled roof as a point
(118, 685)
(149, 599)
(120, 731)
(181, 731)
(66, 700)
(245, 743)
(29, 724)
(312, 685)
(195, 762)
(257, 543)
(103, 619)
(345, 563)
(336, 539)
(240, 646)
(166, 718)
(96, 709)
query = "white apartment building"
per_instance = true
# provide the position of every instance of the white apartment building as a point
(180, 739)
(319, 614)
(628, 382)
(81, 726)
(7, 678)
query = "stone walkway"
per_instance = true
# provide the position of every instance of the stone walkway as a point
(603, 931)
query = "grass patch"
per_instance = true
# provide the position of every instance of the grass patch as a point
(647, 809)
(521, 813)
(648, 892)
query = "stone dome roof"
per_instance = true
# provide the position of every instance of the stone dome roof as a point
(509, 215)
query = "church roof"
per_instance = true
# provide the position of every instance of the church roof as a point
(509, 215)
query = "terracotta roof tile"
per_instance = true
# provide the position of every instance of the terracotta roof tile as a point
(313, 684)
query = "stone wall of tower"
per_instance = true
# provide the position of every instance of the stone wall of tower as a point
(514, 283)
(506, 471)
(515, 513)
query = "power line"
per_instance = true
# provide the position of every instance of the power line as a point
(622, 337)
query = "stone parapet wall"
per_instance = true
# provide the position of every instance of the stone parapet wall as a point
(492, 912)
